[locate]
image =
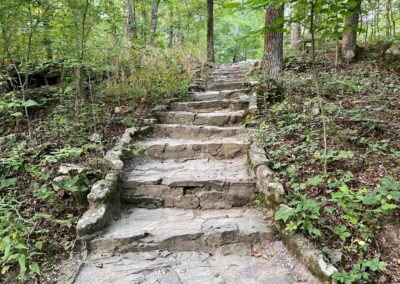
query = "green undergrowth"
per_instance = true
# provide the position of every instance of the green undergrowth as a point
(37, 213)
(343, 211)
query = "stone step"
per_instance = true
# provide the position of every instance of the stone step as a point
(196, 132)
(275, 266)
(226, 231)
(220, 118)
(189, 183)
(225, 80)
(224, 86)
(218, 95)
(226, 148)
(209, 106)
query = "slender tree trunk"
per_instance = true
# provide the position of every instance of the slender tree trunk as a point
(47, 40)
(295, 32)
(337, 44)
(377, 18)
(171, 30)
(317, 84)
(210, 31)
(393, 20)
(5, 36)
(81, 56)
(46, 26)
(154, 19)
(273, 43)
(189, 16)
(130, 31)
(144, 21)
(388, 22)
(349, 42)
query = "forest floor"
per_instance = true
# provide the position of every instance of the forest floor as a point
(357, 224)
(39, 205)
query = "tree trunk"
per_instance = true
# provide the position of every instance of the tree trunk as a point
(349, 42)
(388, 22)
(171, 30)
(144, 22)
(273, 43)
(210, 31)
(154, 19)
(295, 32)
(44, 5)
(130, 31)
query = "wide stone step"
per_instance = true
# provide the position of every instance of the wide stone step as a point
(275, 266)
(224, 86)
(218, 95)
(196, 132)
(190, 183)
(209, 106)
(226, 148)
(220, 118)
(138, 230)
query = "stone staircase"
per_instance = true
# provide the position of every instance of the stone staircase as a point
(187, 217)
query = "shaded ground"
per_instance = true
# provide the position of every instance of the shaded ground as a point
(362, 109)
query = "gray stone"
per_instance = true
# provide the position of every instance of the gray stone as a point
(311, 257)
(150, 121)
(178, 229)
(57, 181)
(257, 156)
(187, 268)
(195, 132)
(95, 137)
(189, 201)
(66, 169)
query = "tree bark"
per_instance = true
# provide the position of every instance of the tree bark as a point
(349, 42)
(130, 31)
(295, 33)
(273, 43)
(210, 31)
(47, 42)
(154, 19)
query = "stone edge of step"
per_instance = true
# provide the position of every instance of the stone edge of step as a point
(104, 202)
(274, 193)
(206, 235)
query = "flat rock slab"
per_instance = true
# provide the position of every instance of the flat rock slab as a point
(179, 229)
(189, 183)
(218, 95)
(170, 172)
(219, 118)
(209, 106)
(225, 148)
(193, 132)
(275, 266)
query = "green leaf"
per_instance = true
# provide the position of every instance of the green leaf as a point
(21, 246)
(29, 103)
(284, 213)
(388, 206)
(34, 267)
(5, 269)
(22, 266)
(315, 180)
(316, 232)
(17, 114)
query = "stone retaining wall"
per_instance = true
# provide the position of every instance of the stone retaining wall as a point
(274, 195)
(104, 197)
